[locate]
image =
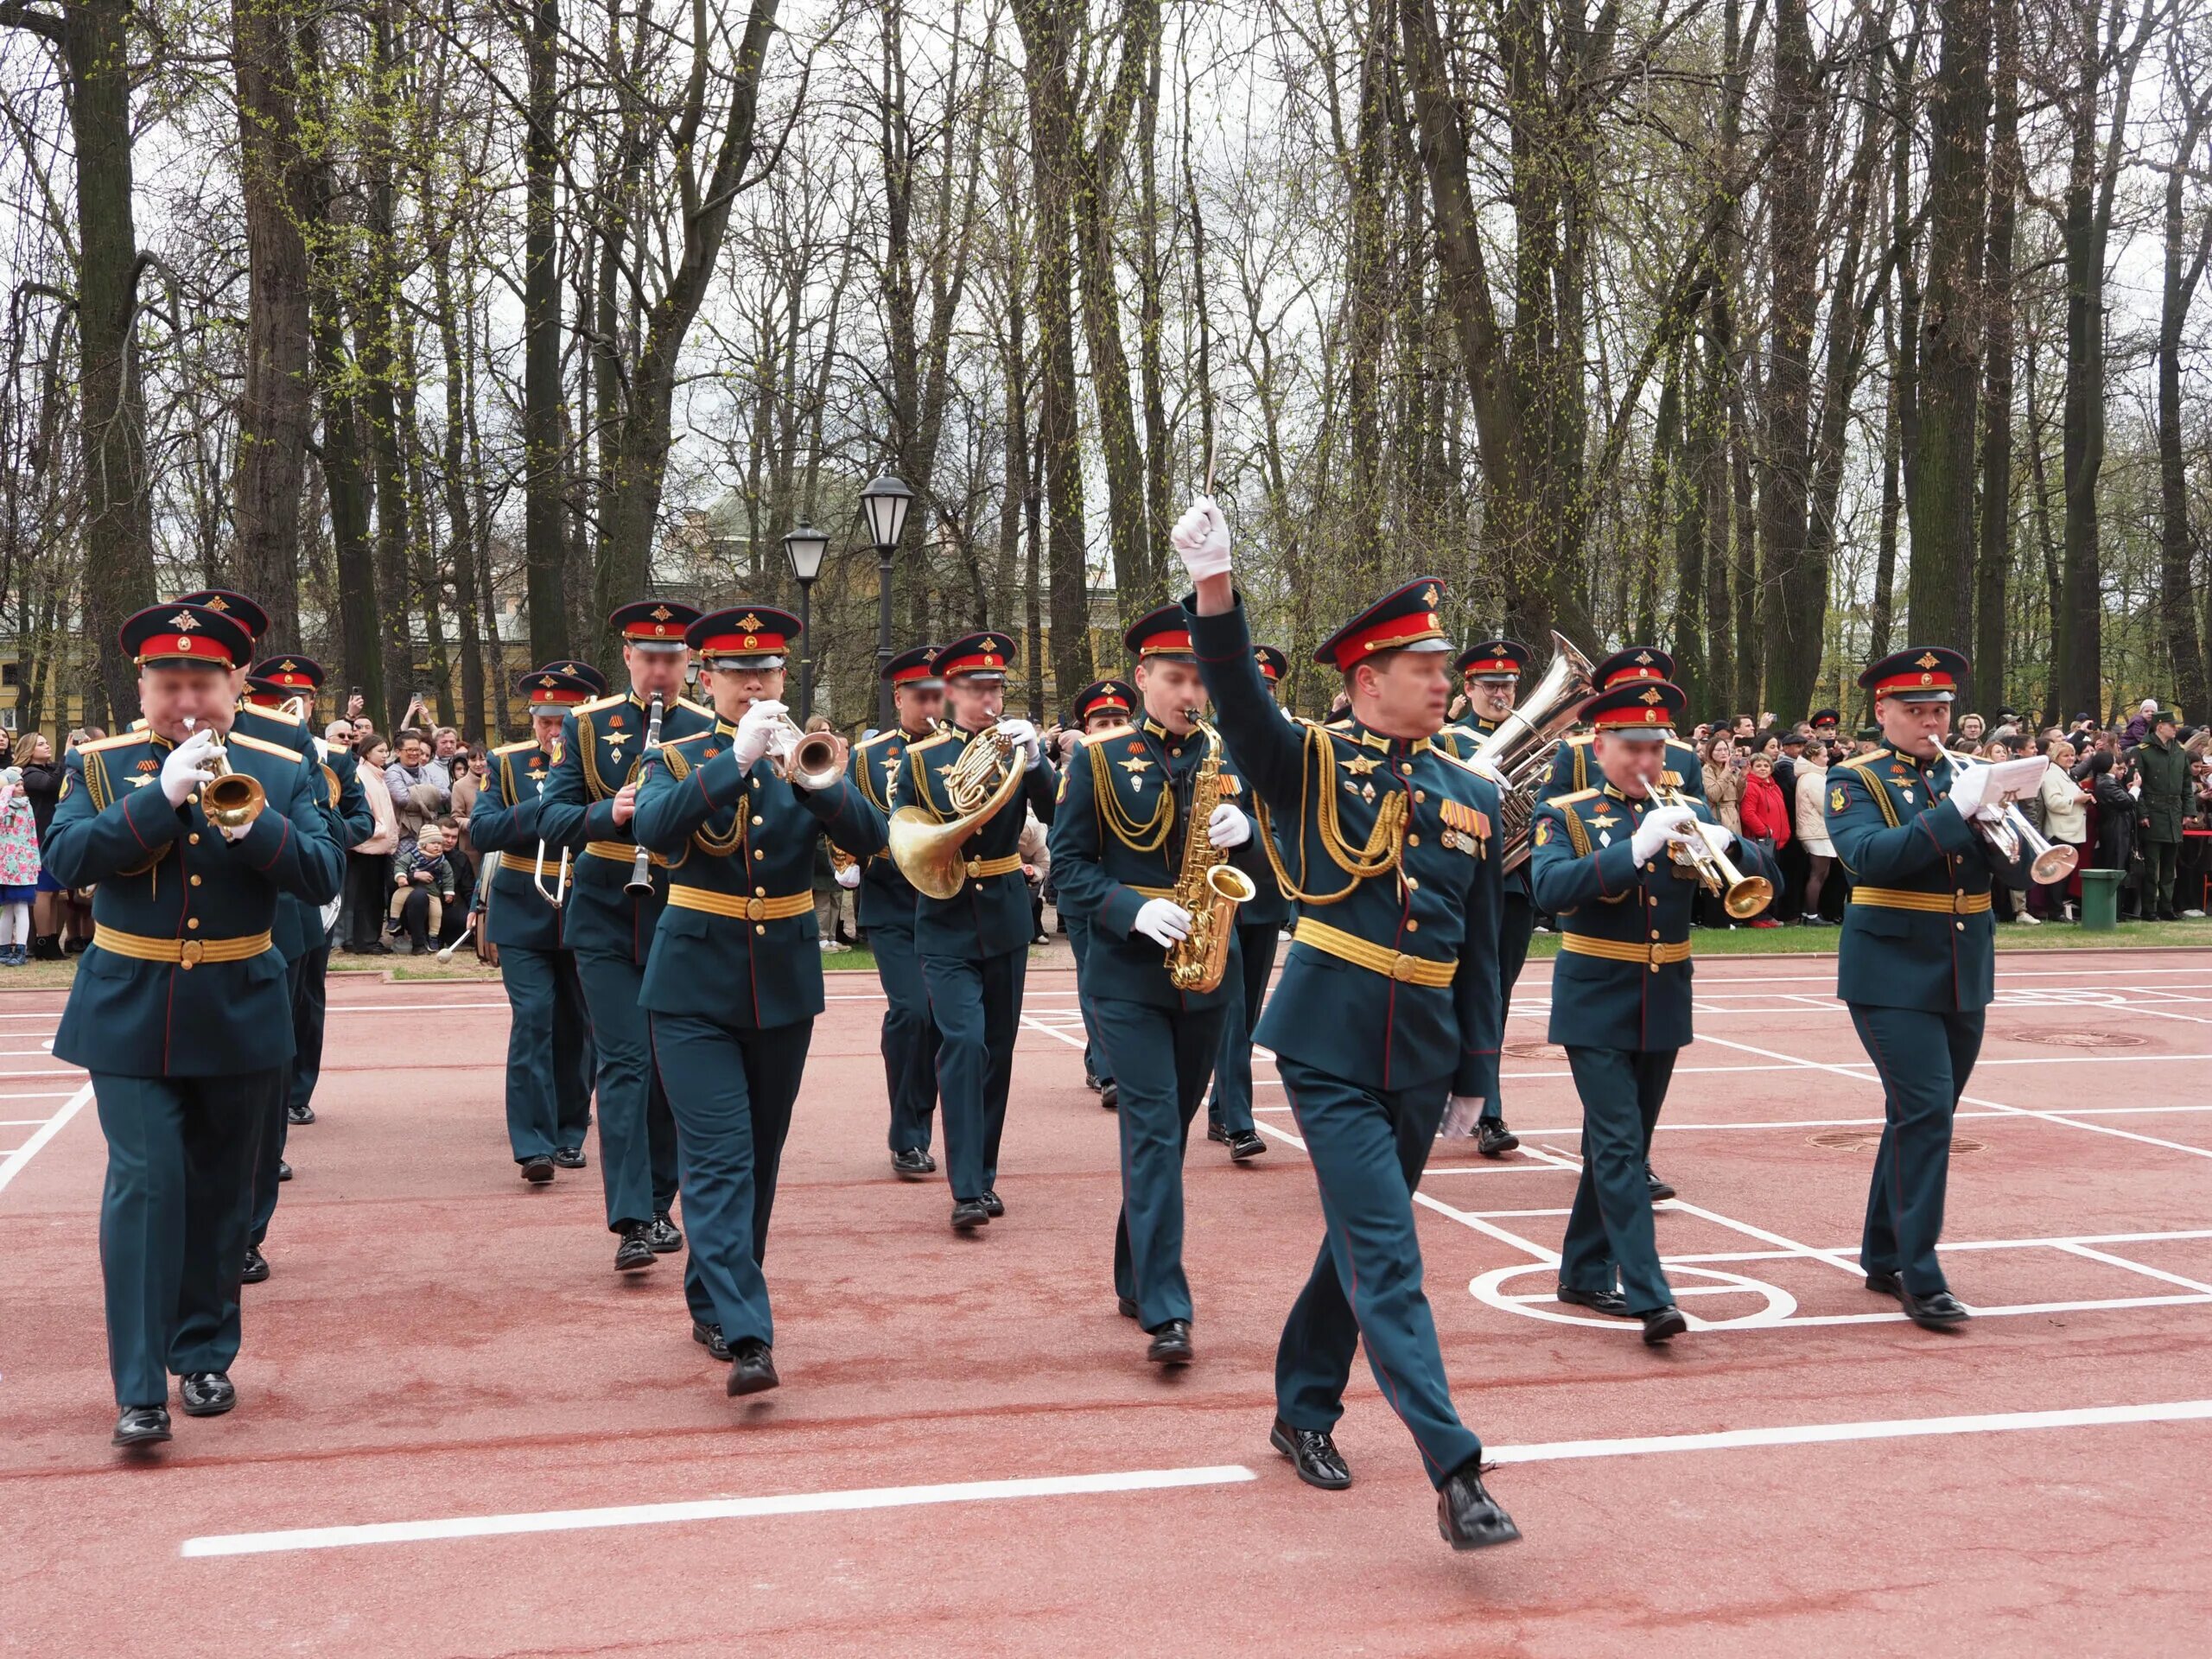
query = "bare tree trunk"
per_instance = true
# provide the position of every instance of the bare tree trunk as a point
(543, 391)
(1794, 609)
(2184, 269)
(1994, 564)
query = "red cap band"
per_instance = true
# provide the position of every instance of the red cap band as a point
(1653, 715)
(1356, 648)
(1924, 680)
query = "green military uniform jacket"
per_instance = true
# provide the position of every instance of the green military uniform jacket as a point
(737, 941)
(1119, 837)
(989, 916)
(886, 897)
(503, 826)
(1575, 768)
(1622, 979)
(170, 886)
(1425, 1006)
(602, 748)
(2166, 788)
(1462, 741)
(1918, 932)
(1271, 906)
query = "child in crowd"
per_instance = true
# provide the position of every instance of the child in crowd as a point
(423, 885)
(19, 869)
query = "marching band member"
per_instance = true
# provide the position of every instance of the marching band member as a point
(590, 799)
(1102, 707)
(180, 1010)
(734, 981)
(1388, 1010)
(1137, 804)
(975, 945)
(1600, 866)
(887, 915)
(1916, 965)
(549, 1031)
(1260, 923)
(1491, 674)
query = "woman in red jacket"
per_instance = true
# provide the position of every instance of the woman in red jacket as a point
(1766, 816)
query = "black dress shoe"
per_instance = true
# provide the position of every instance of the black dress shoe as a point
(912, 1163)
(1126, 1306)
(1883, 1283)
(1089, 1078)
(1663, 1324)
(1493, 1139)
(568, 1157)
(1171, 1343)
(301, 1114)
(257, 1265)
(968, 1214)
(635, 1251)
(1109, 1094)
(206, 1394)
(1611, 1302)
(1658, 1189)
(752, 1367)
(283, 1170)
(1245, 1145)
(1313, 1454)
(1468, 1516)
(537, 1170)
(993, 1205)
(663, 1234)
(709, 1336)
(1215, 1132)
(141, 1425)
(1938, 1311)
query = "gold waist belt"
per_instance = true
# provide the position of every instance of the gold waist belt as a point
(622, 852)
(979, 867)
(744, 909)
(182, 953)
(1361, 953)
(527, 864)
(1939, 904)
(1656, 954)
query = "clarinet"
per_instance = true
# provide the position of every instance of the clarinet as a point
(641, 868)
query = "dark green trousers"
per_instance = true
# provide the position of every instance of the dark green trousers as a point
(549, 1052)
(269, 1151)
(909, 1034)
(636, 1136)
(977, 1008)
(1161, 1058)
(310, 1008)
(1230, 1108)
(731, 1089)
(1094, 1062)
(1609, 1230)
(1923, 1060)
(173, 1219)
(2161, 859)
(1517, 925)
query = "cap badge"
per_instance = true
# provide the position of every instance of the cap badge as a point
(214, 603)
(184, 621)
(1928, 659)
(749, 623)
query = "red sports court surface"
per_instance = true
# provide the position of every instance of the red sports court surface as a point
(459, 1432)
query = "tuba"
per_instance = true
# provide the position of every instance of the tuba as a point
(1209, 886)
(927, 851)
(1524, 741)
(1742, 896)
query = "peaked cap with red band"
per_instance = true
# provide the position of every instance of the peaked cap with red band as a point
(292, 676)
(915, 666)
(653, 624)
(1918, 674)
(1404, 620)
(1273, 661)
(223, 601)
(1104, 697)
(180, 634)
(1164, 633)
(1494, 659)
(584, 671)
(982, 656)
(553, 690)
(1631, 663)
(1638, 709)
(744, 636)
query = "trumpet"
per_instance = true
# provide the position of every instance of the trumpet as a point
(810, 759)
(2018, 841)
(1742, 896)
(230, 800)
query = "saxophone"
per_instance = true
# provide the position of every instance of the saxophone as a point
(1209, 886)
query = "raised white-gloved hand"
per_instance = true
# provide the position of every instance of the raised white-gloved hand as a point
(1658, 824)
(756, 733)
(850, 877)
(1969, 789)
(1163, 921)
(1201, 540)
(1461, 1114)
(1024, 736)
(1228, 827)
(190, 765)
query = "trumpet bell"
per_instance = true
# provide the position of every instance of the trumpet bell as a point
(811, 763)
(1747, 898)
(2054, 864)
(233, 800)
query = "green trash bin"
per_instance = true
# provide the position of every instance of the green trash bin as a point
(2100, 899)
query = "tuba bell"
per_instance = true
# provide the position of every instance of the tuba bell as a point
(926, 850)
(1525, 738)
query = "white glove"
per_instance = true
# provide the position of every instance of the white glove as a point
(1489, 769)
(191, 764)
(1163, 921)
(756, 733)
(1201, 539)
(1461, 1114)
(850, 877)
(1024, 736)
(1658, 824)
(1969, 789)
(1720, 837)
(235, 832)
(1228, 827)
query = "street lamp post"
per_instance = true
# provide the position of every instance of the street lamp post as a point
(805, 546)
(885, 501)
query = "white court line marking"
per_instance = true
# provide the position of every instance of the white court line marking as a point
(2176, 1411)
(2110, 1260)
(713, 1509)
(21, 1155)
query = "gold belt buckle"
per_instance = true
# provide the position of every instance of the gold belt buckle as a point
(190, 951)
(1403, 968)
(756, 910)
(975, 867)
(1961, 903)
